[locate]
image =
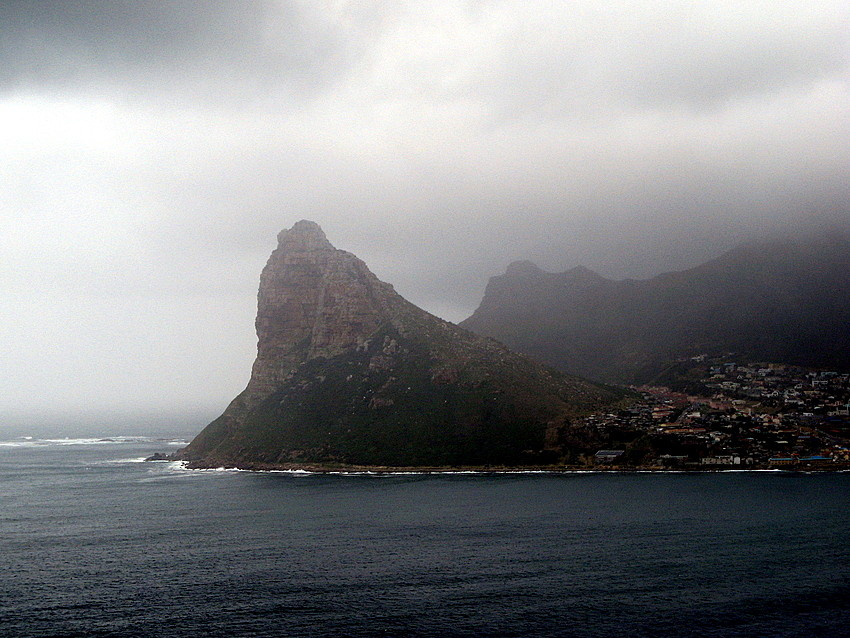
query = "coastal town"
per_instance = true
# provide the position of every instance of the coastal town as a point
(716, 413)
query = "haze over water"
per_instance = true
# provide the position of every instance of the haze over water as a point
(97, 543)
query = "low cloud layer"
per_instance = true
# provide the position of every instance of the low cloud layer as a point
(150, 152)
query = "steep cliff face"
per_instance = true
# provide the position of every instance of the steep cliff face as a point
(314, 301)
(349, 372)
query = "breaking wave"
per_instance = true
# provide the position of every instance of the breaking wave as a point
(28, 441)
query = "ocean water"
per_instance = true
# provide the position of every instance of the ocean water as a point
(95, 542)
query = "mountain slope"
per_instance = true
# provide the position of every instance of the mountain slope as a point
(348, 372)
(783, 301)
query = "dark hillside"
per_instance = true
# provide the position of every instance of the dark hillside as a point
(784, 301)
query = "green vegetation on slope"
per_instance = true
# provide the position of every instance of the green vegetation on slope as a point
(394, 403)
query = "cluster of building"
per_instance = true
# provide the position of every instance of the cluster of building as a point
(731, 416)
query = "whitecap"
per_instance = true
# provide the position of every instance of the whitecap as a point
(138, 459)
(18, 444)
(28, 441)
(103, 440)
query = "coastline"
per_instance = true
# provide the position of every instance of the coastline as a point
(317, 468)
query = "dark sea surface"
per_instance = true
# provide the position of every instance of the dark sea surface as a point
(94, 542)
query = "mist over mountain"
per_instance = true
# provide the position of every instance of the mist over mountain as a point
(782, 299)
(349, 372)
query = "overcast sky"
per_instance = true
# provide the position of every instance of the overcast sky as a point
(150, 151)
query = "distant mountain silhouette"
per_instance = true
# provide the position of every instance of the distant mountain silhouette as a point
(780, 300)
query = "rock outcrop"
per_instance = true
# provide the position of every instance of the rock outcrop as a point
(314, 301)
(350, 373)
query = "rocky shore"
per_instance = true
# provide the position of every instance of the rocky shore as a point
(330, 468)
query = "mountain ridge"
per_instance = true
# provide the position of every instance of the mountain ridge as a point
(779, 300)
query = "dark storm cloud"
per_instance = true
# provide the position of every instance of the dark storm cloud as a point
(599, 59)
(174, 46)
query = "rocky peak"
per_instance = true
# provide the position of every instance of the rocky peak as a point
(523, 268)
(304, 235)
(313, 301)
